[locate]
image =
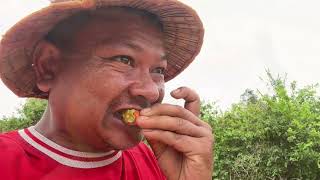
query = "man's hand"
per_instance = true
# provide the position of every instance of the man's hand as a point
(182, 143)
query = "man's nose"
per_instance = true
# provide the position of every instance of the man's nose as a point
(146, 87)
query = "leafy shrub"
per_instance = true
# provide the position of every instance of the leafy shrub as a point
(29, 114)
(270, 136)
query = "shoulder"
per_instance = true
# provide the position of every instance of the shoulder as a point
(10, 147)
(11, 153)
(9, 142)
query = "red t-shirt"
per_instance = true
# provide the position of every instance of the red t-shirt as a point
(26, 154)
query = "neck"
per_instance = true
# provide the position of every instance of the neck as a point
(54, 130)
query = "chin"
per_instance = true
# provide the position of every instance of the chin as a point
(131, 143)
(126, 141)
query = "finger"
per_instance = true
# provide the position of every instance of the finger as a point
(157, 148)
(174, 124)
(173, 111)
(181, 143)
(192, 99)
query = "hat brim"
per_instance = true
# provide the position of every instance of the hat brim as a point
(183, 37)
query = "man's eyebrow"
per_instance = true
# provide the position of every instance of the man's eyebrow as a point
(127, 43)
(123, 42)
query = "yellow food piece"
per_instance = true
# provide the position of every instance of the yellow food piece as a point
(129, 116)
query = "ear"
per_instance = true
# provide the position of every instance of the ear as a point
(46, 61)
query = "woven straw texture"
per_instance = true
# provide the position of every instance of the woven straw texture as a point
(183, 33)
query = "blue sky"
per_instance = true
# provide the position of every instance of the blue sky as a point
(242, 39)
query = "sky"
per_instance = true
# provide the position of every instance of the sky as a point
(242, 40)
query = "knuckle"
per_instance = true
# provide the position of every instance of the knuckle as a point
(181, 110)
(194, 94)
(181, 125)
(178, 110)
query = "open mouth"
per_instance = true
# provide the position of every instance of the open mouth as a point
(119, 113)
(127, 116)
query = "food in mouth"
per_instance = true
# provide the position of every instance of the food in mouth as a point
(130, 116)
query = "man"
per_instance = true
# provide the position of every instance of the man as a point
(93, 60)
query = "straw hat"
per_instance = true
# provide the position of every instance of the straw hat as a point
(183, 36)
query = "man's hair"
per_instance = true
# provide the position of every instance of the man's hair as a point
(62, 34)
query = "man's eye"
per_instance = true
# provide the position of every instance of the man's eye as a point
(123, 59)
(159, 70)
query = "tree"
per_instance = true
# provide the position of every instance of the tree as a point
(29, 114)
(270, 136)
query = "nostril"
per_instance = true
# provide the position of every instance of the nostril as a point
(148, 90)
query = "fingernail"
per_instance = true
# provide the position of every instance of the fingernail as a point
(176, 91)
(145, 111)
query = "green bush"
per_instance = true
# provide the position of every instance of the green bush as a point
(29, 114)
(270, 136)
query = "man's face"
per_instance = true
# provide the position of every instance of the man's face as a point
(117, 62)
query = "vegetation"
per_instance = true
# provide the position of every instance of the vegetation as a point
(268, 136)
(273, 135)
(29, 114)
